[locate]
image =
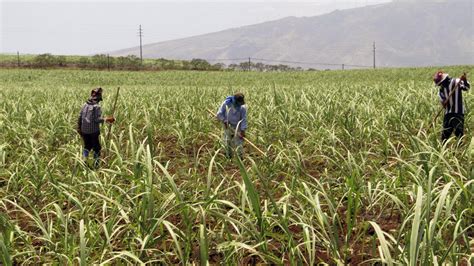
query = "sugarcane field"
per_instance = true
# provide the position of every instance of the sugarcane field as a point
(237, 132)
(335, 168)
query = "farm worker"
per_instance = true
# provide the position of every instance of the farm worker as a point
(88, 124)
(233, 115)
(450, 94)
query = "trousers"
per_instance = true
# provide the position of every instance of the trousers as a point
(92, 142)
(452, 122)
(232, 142)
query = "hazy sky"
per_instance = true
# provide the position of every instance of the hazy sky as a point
(89, 27)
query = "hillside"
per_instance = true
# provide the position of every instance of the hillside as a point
(407, 33)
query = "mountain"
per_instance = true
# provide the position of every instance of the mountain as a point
(406, 33)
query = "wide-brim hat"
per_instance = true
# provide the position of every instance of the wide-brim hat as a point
(439, 77)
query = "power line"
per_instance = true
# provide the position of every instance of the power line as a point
(307, 63)
(248, 62)
(226, 59)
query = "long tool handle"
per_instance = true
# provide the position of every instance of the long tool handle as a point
(246, 139)
(255, 147)
(113, 112)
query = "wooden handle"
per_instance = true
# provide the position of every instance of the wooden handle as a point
(113, 112)
(255, 147)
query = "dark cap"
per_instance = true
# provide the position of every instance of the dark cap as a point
(96, 91)
(239, 98)
(96, 95)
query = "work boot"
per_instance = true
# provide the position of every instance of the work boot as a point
(85, 154)
(85, 157)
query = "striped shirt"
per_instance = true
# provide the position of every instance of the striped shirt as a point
(90, 118)
(228, 113)
(455, 104)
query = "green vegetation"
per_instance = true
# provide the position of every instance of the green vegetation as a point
(351, 174)
(99, 61)
(131, 62)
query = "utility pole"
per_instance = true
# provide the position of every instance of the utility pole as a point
(108, 62)
(342, 66)
(249, 65)
(374, 54)
(140, 33)
(18, 58)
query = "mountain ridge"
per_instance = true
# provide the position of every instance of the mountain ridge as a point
(407, 33)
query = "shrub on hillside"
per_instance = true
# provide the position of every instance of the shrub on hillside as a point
(45, 60)
(130, 62)
(99, 61)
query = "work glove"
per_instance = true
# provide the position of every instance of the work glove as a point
(110, 119)
(242, 134)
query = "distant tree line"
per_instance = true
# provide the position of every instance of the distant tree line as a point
(132, 62)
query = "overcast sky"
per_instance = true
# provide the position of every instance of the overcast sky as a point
(90, 27)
